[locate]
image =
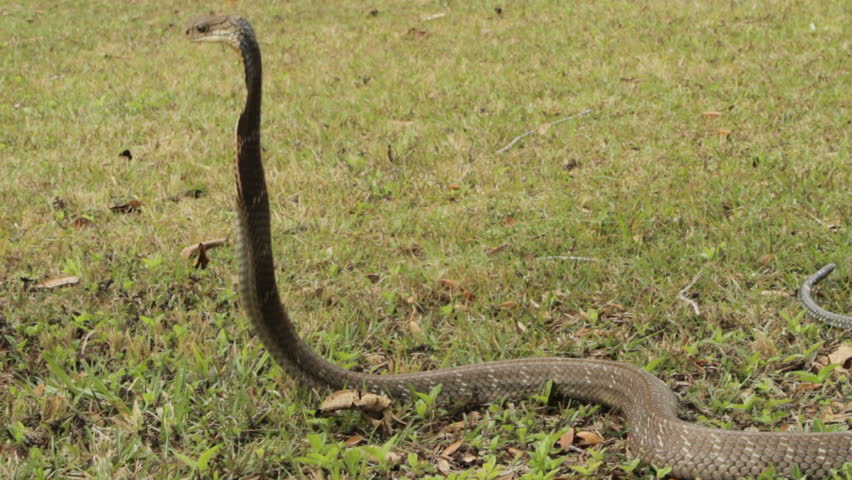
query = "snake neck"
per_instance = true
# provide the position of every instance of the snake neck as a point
(258, 285)
(248, 127)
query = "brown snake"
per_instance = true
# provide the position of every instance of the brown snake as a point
(657, 436)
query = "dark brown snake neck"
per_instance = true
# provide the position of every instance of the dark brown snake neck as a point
(657, 435)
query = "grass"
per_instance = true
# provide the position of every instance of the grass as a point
(380, 132)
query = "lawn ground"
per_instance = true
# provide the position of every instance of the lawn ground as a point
(715, 160)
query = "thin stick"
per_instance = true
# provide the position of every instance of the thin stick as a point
(691, 302)
(567, 257)
(555, 122)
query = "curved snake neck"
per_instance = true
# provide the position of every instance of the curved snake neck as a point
(657, 436)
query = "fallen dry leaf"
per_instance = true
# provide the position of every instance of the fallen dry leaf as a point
(60, 281)
(808, 387)
(567, 439)
(454, 427)
(712, 114)
(133, 206)
(353, 440)
(468, 295)
(452, 448)
(449, 283)
(373, 277)
(589, 438)
(418, 34)
(414, 323)
(454, 186)
(842, 356)
(444, 466)
(509, 305)
(192, 250)
(723, 132)
(375, 408)
(82, 222)
(391, 458)
(355, 399)
(516, 452)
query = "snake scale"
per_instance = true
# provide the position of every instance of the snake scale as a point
(656, 435)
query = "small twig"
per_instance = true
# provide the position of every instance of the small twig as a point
(566, 257)
(812, 216)
(691, 302)
(555, 122)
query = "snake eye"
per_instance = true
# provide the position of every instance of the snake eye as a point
(202, 28)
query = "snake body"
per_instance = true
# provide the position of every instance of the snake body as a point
(657, 436)
(814, 310)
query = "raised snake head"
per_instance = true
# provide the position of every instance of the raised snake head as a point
(218, 28)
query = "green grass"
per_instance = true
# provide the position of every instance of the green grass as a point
(148, 368)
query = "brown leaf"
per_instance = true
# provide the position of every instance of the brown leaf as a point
(567, 439)
(723, 132)
(375, 359)
(444, 466)
(454, 427)
(353, 440)
(82, 222)
(808, 387)
(60, 281)
(373, 277)
(414, 323)
(375, 408)
(453, 186)
(452, 284)
(468, 295)
(712, 114)
(508, 305)
(192, 250)
(842, 356)
(589, 438)
(516, 452)
(418, 34)
(452, 448)
(391, 458)
(509, 221)
(355, 399)
(133, 206)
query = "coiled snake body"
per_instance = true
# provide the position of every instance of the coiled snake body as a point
(657, 436)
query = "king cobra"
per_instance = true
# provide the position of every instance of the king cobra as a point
(656, 435)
